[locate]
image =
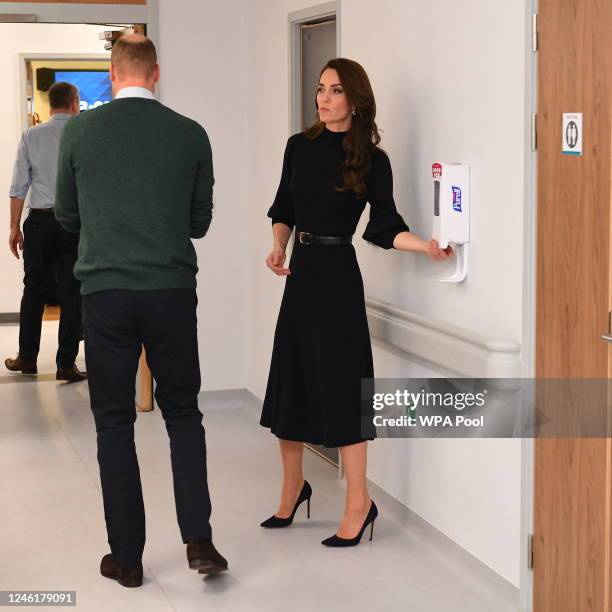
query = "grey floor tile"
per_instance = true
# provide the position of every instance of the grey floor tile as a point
(53, 533)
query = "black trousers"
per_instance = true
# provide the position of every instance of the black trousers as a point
(117, 323)
(46, 241)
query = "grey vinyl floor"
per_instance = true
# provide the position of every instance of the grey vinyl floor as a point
(53, 535)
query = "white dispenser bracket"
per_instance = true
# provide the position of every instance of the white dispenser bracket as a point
(451, 213)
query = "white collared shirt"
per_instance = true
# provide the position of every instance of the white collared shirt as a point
(36, 163)
(134, 92)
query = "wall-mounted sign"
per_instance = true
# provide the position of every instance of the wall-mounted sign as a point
(572, 134)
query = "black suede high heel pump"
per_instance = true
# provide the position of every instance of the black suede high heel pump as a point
(305, 495)
(369, 519)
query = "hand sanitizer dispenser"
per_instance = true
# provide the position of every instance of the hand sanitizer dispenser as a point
(451, 219)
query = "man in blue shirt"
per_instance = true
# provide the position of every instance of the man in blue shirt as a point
(44, 240)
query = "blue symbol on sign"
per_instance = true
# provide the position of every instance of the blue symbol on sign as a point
(456, 198)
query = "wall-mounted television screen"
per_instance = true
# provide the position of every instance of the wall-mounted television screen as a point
(94, 86)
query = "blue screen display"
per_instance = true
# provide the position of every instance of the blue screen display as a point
(94, 86)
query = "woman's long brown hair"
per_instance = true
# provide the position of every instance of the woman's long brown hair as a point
(363, 137)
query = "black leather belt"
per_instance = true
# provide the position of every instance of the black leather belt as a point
(308, 238)
(42, 210)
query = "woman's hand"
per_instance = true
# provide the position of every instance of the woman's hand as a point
(275, 261)
(438, 254)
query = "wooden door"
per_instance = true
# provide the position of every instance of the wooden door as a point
(572, 513)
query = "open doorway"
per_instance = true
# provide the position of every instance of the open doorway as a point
(44, 31)
(55, 51)
(41, 44)
(90, 75)
(318, 45)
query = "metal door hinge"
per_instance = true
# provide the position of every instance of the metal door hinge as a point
(534, 131)
(534, 32)
(530, 551)
(608, 337)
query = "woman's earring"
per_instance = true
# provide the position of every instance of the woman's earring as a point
(354, 113)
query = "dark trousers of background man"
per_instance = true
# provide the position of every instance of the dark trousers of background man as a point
(117, 323)
(46, 241)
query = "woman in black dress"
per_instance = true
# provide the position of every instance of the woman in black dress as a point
(322, 344)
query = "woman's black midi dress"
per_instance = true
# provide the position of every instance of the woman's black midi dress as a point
(322, 344)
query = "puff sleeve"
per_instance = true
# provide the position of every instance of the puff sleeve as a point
(385, 222)
(282, 209)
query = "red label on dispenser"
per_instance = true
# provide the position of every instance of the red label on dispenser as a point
(436, 170)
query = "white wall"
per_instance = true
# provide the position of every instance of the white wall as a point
(449, 80)
(202, 61)
(267, 123)
(450, 85)
(468, 488)
(226, 66)
(16, 39)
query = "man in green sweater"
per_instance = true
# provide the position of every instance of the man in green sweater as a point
(136, 179)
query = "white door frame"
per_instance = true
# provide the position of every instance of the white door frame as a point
(529, 306)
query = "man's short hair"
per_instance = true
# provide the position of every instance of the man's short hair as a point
(134, 57)
(61, 95)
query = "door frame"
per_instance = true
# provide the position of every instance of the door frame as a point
(529, 303)
(295, 21)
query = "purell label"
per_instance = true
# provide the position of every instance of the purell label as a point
(456, 198)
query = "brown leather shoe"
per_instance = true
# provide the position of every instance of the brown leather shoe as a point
(72, 374)
(204, 557)
(21, 365)
(126, 576)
